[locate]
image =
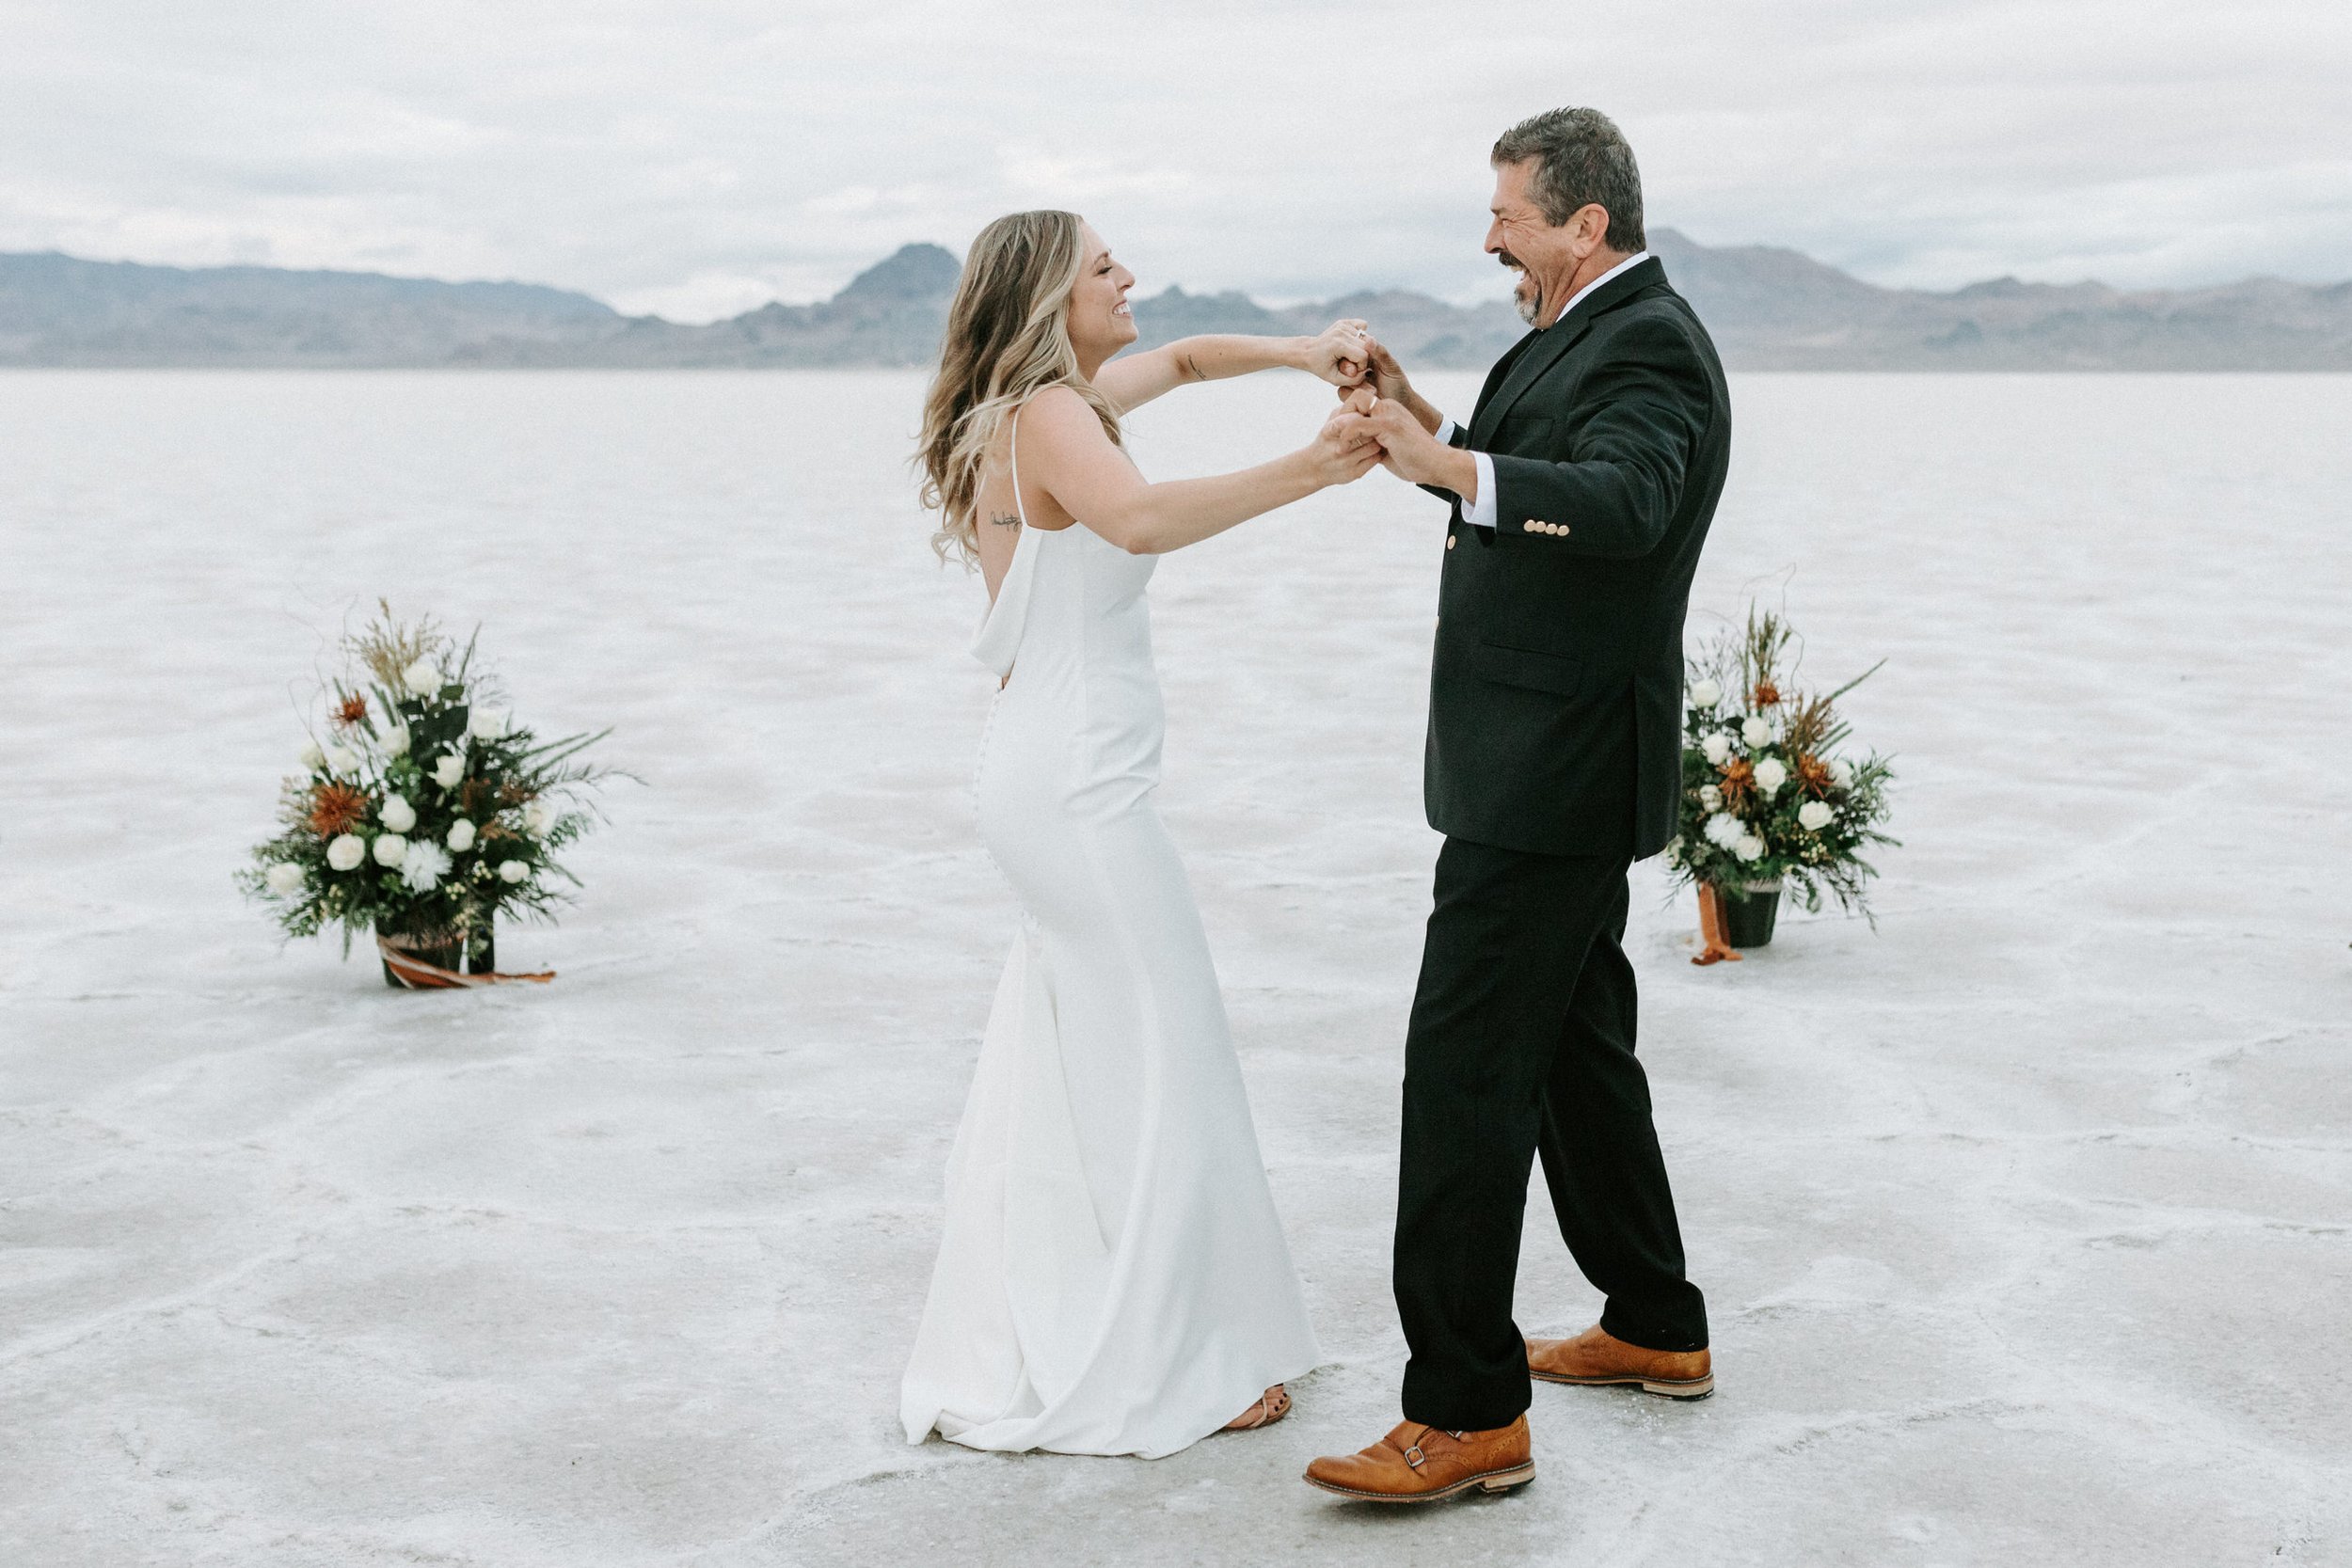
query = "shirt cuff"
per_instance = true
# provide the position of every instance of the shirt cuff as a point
(1481, 513)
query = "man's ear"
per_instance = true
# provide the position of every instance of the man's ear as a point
(1590, 227)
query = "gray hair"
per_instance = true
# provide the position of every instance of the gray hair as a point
(1582, 160)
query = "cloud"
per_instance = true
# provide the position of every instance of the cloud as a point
(697, 156)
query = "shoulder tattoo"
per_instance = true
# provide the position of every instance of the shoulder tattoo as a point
(1005, 520)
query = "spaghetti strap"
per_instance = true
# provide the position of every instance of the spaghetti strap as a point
(1020, 507)
(999, 641)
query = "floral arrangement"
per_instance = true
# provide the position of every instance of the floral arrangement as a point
(423, 811)
(1767, 798)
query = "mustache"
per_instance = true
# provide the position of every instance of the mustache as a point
(1510, 260)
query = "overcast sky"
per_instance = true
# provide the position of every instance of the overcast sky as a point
(697, 157)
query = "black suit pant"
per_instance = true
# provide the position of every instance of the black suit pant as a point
(1522, 1041)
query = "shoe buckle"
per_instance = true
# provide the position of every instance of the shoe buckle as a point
(1413, 1457)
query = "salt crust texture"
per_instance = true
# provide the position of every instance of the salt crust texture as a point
(2026, 1219)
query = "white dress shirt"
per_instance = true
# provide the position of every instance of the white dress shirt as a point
(1479, 511)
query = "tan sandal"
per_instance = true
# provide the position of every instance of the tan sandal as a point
(1272, 1407)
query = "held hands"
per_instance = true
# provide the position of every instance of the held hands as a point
(1407, 449)
(1384, 374)
(1398, 418)
(1381, 419)
(1345, 449)
(1341, 353)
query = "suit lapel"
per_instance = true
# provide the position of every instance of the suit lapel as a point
(1495, 373)
(1555, 341)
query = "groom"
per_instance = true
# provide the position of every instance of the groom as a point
(1580, 495)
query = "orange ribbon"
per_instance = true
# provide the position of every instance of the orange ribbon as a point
(415, 974)
(1712, 929)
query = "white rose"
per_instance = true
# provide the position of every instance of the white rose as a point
(450, 768)
(1717, 746)
(396, 813)
(312, 757)
(391, 850)
(1770, 776)
(345, 852)
(423, 678)
(1706, 695)
(512, 871)
(1711, 798)
(1749, 847)
(486, 723)
(1841, 773)
(538, 817)
(424, 867)
(342, 760)
(396, 741)
(461, 836)
(286, 878)
(1813, 816)
(1754, 731)
(1723, 830)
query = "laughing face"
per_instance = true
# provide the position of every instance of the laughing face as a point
(1541, 253)
(1101, 324)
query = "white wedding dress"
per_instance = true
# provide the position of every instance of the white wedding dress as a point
(1112, 1278)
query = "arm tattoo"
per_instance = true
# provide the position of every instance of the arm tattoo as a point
(1008, 520)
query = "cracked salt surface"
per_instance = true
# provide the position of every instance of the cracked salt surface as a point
(2026, 1219)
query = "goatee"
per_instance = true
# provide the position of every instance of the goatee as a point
(1528, 298)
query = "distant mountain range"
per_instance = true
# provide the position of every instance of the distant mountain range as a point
(1767, 309)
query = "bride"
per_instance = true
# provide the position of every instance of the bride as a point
(1112, 1278)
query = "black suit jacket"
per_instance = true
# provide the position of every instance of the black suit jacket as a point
(1555, 698)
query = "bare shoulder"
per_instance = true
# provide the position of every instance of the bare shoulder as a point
(1043, 436)
(1059, 414)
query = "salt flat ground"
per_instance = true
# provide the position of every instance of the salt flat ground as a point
(2025, 1219)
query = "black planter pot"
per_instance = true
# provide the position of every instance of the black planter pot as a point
(444, 950)
(1749, 914)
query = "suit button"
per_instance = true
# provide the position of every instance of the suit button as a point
(1451, 540)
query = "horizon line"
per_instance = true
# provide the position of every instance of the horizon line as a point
(1282, 302)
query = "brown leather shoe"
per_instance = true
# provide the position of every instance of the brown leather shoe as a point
(1596, 1358)
(1418, 1463)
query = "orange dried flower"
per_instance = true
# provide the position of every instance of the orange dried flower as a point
(1813, 776)
(336, 808)
(1766, 694)
(1738, 782)
(350, 711)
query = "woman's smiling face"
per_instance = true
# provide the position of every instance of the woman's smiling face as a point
(1100, 322)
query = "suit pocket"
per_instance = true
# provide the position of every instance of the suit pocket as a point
(1528, 667)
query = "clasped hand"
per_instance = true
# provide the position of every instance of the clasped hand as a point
(1376, 422)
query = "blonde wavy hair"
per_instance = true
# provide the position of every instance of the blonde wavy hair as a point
(1007, 338)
